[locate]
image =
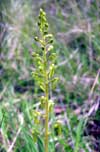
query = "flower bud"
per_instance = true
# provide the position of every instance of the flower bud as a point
(36, 38)
(51, 41)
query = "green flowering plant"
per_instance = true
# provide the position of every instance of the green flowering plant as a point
(44, 71)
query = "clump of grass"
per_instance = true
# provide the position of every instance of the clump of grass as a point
(44, 70)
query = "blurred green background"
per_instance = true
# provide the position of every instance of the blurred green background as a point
(75, 25)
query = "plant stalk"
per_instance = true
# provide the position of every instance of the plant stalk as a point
(46, 119)
(46, 105)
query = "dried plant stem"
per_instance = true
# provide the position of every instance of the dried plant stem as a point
(95, 82)
(10, 149)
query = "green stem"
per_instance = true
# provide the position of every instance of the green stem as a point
(46, 119)
(46, 104)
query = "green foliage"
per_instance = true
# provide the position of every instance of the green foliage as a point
(78, 138)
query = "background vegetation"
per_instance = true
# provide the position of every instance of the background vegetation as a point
(75, 25)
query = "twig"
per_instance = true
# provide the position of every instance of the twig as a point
(5, 143)
(94, 84)
(14, 141)
(17, 134)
